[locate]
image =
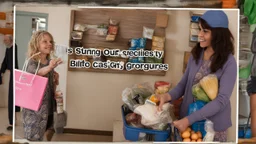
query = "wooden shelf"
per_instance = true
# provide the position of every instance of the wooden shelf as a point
(139, 72)
(130, 26)
(192, 44)
(6, 31)
(193, 13)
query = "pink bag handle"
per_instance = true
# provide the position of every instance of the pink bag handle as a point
(25, 66)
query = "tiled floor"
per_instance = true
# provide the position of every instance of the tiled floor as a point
(19, 134)
(4, 121)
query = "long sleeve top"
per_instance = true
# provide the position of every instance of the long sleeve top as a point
(8, 61)
(219, 109)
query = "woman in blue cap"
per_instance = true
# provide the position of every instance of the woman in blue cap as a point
(212, 55)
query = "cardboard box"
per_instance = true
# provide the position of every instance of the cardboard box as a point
(160, 32)
(111, 37)
(158, 39)
(162, 20)
(158, 44)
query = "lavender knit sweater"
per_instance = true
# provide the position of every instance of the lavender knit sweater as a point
(218, 110)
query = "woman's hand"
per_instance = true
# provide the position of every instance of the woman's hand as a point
(163, 98)
(54, 63)
(182, 124)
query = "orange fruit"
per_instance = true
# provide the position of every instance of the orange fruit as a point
(186, 140)
(199, 140)
(185, 134)
(194, 136)
(199, 134)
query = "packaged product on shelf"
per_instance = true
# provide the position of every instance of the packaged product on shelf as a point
(138, 43)
(102, 31)
(157, 60)
(141, 59)
(134, 60)
(79, 27)
(194, 25)
(194, 38)
(149, 60)
(195, 18)
(158, 44)
(157, 48)
(112, 30)
(102, 26)
(76, 35)
(153, 60)
(194, 31)
(158, 39)
(148, 32)
(162, 20)
(142, 43)
(101, 58)
(111, 37)
(113, 22)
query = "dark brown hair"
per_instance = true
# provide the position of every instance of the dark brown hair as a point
(222, 44)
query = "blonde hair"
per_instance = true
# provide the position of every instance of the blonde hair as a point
(33, 46)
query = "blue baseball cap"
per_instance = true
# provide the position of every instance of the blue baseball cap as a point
(216, 18)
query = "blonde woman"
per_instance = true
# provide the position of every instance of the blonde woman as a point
(37, 122)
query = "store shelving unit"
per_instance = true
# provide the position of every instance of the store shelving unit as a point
(127, 30)
(245, 58)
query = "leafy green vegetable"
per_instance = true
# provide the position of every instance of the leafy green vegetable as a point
(199, 93)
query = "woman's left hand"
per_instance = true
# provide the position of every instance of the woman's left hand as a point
(182, 124)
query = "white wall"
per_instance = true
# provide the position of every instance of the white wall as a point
(4, 7)
(233, 26)
(94, 103)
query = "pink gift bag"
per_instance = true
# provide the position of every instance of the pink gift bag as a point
(29, 88)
